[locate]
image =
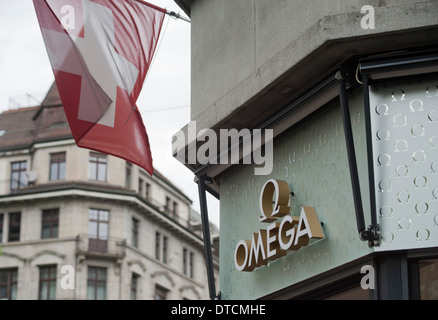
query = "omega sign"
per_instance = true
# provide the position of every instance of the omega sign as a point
(289, 233)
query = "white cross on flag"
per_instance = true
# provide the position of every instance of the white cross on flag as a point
(100, 52)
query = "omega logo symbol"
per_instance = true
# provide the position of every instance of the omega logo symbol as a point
(285, 232)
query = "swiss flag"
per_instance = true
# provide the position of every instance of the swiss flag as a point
(100, 52)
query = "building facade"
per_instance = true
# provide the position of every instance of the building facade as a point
(345, 93)
(77, 224)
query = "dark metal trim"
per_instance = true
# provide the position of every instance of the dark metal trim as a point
(399, 61)
(392, 277)
(207, 239)
(372, 234)
(352, 162)
(414, 279)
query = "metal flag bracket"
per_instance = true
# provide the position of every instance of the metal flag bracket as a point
(201, 181)
(347, 75)
(175, 15)
(372, 235)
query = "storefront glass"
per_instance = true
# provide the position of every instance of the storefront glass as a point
(356, 293)
(428, 273)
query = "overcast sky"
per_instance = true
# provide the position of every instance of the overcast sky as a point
(164, 102)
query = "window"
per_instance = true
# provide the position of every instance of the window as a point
(192, 258)
(161, 247)
(47, 290)
(148, 191)
(98, 223)
(57, 166)
(157, 245)
(167, 206)
(188, 262)
(160, 293)
(96, 283)
(1, 227)
(428, 279)
(140, 187)
(134, 286)
(171, 207)
(8, 284)
(135, 224)
(98, 230)
(165, 249)
(185, 253)
(14, 226)
(97, 166)
(50, 222)
(350, 293)
(175, 210)
(18, 180)
(128, 174)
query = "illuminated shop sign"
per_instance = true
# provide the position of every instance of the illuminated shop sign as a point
(284, 233)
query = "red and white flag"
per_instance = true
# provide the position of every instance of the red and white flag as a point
(100, 52)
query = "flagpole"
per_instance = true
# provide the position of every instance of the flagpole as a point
(170, 13)
(177, 15)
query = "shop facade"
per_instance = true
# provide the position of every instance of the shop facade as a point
(312, 158)
(350, 207)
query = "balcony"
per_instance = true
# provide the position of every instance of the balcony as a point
(108, 248)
